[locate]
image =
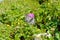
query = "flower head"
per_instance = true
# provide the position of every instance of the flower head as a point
(31, 15)
(30, 18)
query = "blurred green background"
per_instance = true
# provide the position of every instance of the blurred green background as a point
(12, 19)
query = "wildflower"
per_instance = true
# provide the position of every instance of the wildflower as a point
(30, 18)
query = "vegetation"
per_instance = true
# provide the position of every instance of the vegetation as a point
(12, 19)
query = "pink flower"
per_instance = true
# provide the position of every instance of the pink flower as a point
(30, 18)
(31, 15)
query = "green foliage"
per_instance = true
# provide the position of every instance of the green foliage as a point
(13, 25)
